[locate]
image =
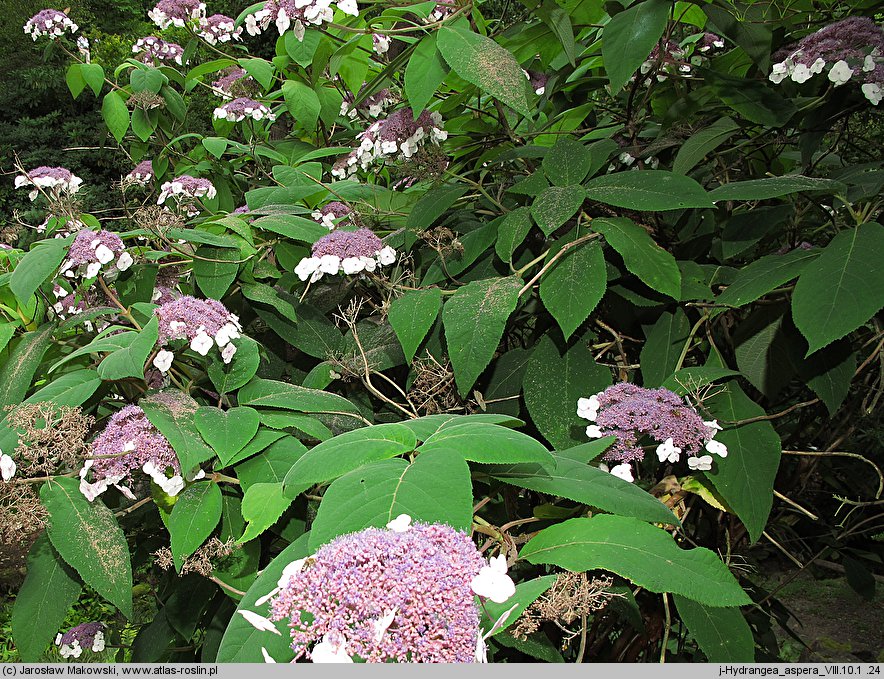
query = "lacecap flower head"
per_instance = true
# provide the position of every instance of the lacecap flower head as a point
(397, 595)
(242, 108)
(92, 251)
(49, 22)
(141, 174)
(53, 180)
(218, 29)
(89, 635)
(296, 14)
(232, 78)
(329, 214)
(347, 252)
(374, 105)
(177, 12)
(186, 190)
(152, 49)
(203, 323)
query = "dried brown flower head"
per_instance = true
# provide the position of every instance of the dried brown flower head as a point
(52, 437)
(202, 561)
(155, 219)
(146, 100)
(21, 514)
(433, 389)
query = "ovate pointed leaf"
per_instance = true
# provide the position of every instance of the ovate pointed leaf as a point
(647, 190)
(629, 37)
(412, 315)
(575, 284)
(193, 518)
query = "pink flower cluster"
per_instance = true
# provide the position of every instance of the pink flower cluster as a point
(218, 29)
(92, 250)
(223, 87)
(49, 22)
(709, 42)
(53, 180)
(441, 11)
(398, 136)
(152, 49)
(242, 108)
(87, 635)
(129, 442)
(203, 323)
(329, 214)
(374, 105)
(851, 49)
(669, 61)
(348, 252)
(630, 412)
(141, 174)
(177, 12)
(386, 595)
(296, 14)
(186, 190)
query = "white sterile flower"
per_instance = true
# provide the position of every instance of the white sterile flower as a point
(593, 431)
(349, 7)
(163, 360)
(840, 73)
(72, 651)
(668, 451)
(125, 491)
(352, 265)
(370, 263)
(98, 642)
(717, 448)
(7, 467)
(381, 625)
(481, 655)
(176, 326)
(700, 464)
(868, 64)
(380, 43)
(801, 73)
(171, 487)
(588, 408)
(93, 269)
(282, 21)
(626, 158)
(873, 93)
(329, 264)
(386, 256)
(623, 471)
(291, 570)
(124, 261)
(92, 490)
(267, 657)
(326, 651)
(259, 622)
(713, 424)
(400, 524)
(225, 333)
(492, 582)
(778, 73)
(129, 447)
(202, 343)
(104, 254)
(227, 353)
(818, 66)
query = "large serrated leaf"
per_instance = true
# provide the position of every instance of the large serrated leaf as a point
(412, 315)
(555, 206)
(764, 275)
(723, 634)
(193, 518)
(647, 190)
(19, 368)
(487, 443)
(573, 287)
(629, 37)
(274, 394)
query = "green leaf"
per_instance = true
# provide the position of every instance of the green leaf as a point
(271, 465)
(843, 288)
(568, 162)
(699, 145)
(302, 103)
(36, 266)
(273, 394)
(74, 79)
(432, 205)
(129, 360)
(647, 190)
(573, 287)
(487, 443)
(242, 643)
(172, 412)
(474, 320)
(291, 226)
(87, 536)
(215, 145)
(115, 114)
(635, 550)
(665, 342)
(552, 385)
(227, 431)
(147, 79)
(93, 74)
(425, 72)
(424, 427)
(262, 440)
(746, 476)
(348, 451)
(629, 37)
(511, 232)
(412, 315)
(485, 64)
(193, 518)
(655, 266)
(71, 389)
(215, 269)
(756, 101)
(262, 505)
(829, 373)
(227, 377)
(260, 69)
(43, 601)
(302, 51)
(763, 349)
(764, 275)
(555, 206)
(559, 22)
(435, 488)
(591, 486)
(773, 187)
(723, 634)
(143, 123)
(23, 361)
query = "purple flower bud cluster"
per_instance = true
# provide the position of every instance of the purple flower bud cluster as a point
(151, 49)
(231, 76)
(87, 635)
(387, 596)
(129, 442)
(218, 29)
(141, 174)
(329, 214)
(177, 12)
(851, 49)
(348, 252)
(670, 60)
(186, 190)
(204, 323)
(49, 22)
(380, 43)
(398, 136)
(709, 42)
(74, 303)
(537, 81)
(630, 412)
(92, 250)
(296, 14)
(374, 105)
(242, 108)
(441, 11)
(53, 180)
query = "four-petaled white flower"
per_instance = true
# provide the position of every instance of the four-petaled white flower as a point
(713, 424)
(492, 582)
(717, 447)
(400, 524)
(700, 464)
(327, 651)
(840, 73)
(668, 451)
(259, 622)
(873, 93)
(623, 471)
(202, 343)
(593, 431)
(92, 269)
(227, 353)
(104, 254)
(124, 261)
(588, 408)
(7, 467)
(801, 73)
(163, 360)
